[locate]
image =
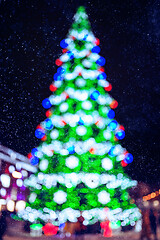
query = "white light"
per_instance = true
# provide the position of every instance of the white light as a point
(5, 179)
(10, 205)
(43, 165)
(80, 82)
(107, 134)
(3, 192)
(54, 134)
(92, 180)
(103, 197)
(72, 162)
(18, 166)
(107, 164)
(24, 173)
(11, 168)
(19, 182)
(60, 197)
(32, 197)
(20, 205)
(13, 155)
(63, 107)
(87, 105)
(16, 174)
(156, 203)
(81, 130)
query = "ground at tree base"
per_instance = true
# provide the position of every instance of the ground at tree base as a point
(122, 236)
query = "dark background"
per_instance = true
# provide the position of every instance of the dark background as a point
(129, 33)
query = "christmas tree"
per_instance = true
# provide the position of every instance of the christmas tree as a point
(80, 161)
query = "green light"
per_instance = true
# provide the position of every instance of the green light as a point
(36, 226)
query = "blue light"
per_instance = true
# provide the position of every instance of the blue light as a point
(113, 125)
(58, 77)
(34, 151)
(102, 76)
(60, 70)
(128, 158)
(94, 96)
(120, 134)
(71, 150)
(34, 160)
(80, 122)
(39, 133)
(110, 153)
(46, 103)
(111, 114)
(85, 37)
(63, 43)
(48, 124)
(71, 55)
(101, 61)
(96, 49)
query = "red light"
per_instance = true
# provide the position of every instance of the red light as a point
(58, 62)
(101, 69)
(49, 229)
(97, 42)
(108, 88)
(121, 127)
(64, 122)
(79, 74)
(39, 127)
(52, 88)
(114, 104)
(123, 163)
(73, 37)
(44, 138)
(29, 155)
(48, 113)
(64, 50)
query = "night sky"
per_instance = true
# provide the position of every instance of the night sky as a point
(129, 33)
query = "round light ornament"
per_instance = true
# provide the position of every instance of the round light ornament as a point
(43, 165)
(72, 162)
(80, 82)
(54, 134)
(81, 130)
(87, 105)
(60, 197)
(107, 164)
(92, 180)
(63, 107)
(107, 134)
(103, 197)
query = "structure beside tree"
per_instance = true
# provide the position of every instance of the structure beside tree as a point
(80, 161)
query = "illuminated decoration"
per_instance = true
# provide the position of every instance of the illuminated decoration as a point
(107, 231)
(10, 205)
(49, 229)
(103, 197)
(80, 160)
(43, 164)
(94, 96)
(151, 195)
(60, 197)
(20, 205)
(16, 174)
(72, 162)
(36, 230)
(46, 103)
(5, 180)
(107, 164)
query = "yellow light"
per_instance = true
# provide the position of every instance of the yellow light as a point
(10, 205)
(156, 203)
(20, 205)
(153, 195)
(16, 174)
